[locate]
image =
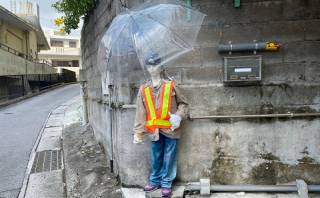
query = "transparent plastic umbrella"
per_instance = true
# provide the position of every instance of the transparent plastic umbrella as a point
(167, 28)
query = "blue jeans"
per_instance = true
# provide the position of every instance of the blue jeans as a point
(163, 161)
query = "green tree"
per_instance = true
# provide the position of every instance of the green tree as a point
(73, 10)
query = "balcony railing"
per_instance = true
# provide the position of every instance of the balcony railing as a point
(62, 51)
(15, 52)
(22, 55)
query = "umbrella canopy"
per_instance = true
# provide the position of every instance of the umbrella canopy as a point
(167, 28)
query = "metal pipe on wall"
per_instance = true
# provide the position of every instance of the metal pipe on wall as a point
(254, 46)
(111, 117)
(84, 96)
(252, 188)
(284, 115)
(275, 115)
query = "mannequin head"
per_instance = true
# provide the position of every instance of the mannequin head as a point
(153, 65)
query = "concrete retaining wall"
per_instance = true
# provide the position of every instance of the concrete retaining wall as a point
(231, 151)
(11, 64)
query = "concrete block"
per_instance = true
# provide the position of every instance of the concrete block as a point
(49, 143)
(242, 33)
(301, 51)
(312, 72)
(209, 35)
(177, 192)
(134, 160)
(272, 57)
(133, 192)
(300, 10)
(52, 131)
(102, 9)
(210, 56)
(312, 30)
(284, 72)
(189, 59)
(54, 123)
(224, 12)
(213, 74)
(57, 116)
(283, 31)
(45, 184)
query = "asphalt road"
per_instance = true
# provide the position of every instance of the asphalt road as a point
(20, 125)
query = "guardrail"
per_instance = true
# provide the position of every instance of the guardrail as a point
(15, 52)
(22, 55)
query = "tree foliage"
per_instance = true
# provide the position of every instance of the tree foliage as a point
(73, 10)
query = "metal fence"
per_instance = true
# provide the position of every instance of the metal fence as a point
(16, 86)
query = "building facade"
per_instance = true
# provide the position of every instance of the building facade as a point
(230, 150)
(20, 43)
(64, 51)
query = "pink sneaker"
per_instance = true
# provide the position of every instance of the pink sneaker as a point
(149, 187)
(166, 192)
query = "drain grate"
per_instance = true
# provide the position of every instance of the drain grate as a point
(47, 161)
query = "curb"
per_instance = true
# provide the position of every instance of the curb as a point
(46, 124)
(16, 100)
(31, 159)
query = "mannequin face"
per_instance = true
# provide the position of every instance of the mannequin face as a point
(154, 70)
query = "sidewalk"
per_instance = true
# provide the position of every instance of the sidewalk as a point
(67, 161)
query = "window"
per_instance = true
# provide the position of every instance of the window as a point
(63, 63)
(55, 43)
(56, 63)
(75, 63)
(73, 44)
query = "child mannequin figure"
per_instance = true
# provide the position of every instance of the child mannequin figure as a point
(160, 110)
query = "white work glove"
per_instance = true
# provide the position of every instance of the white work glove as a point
(175, 121)
(138, 138)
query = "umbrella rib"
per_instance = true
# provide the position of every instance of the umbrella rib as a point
(174, 33)
(139, 28)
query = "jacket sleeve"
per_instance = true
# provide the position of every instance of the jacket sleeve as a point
(140, 114)
(183, 105)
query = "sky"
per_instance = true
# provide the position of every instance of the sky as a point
(47, 13)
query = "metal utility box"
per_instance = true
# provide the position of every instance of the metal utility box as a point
(246, 69)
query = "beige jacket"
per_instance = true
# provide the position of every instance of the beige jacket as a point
(179, 106)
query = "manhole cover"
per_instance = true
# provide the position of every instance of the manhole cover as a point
(47, 161)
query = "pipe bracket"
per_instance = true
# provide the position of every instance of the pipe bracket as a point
(205, 186)
(302, 188)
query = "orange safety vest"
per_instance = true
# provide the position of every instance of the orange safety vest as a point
(158, 119)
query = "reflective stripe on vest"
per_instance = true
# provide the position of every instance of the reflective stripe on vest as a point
(158, 119)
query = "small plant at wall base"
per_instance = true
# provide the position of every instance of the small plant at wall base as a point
(73, 10)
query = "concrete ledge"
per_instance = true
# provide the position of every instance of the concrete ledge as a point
(16, 100)
(139, 193)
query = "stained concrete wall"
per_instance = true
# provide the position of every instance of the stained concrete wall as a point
(11, 64)
(231, 151)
